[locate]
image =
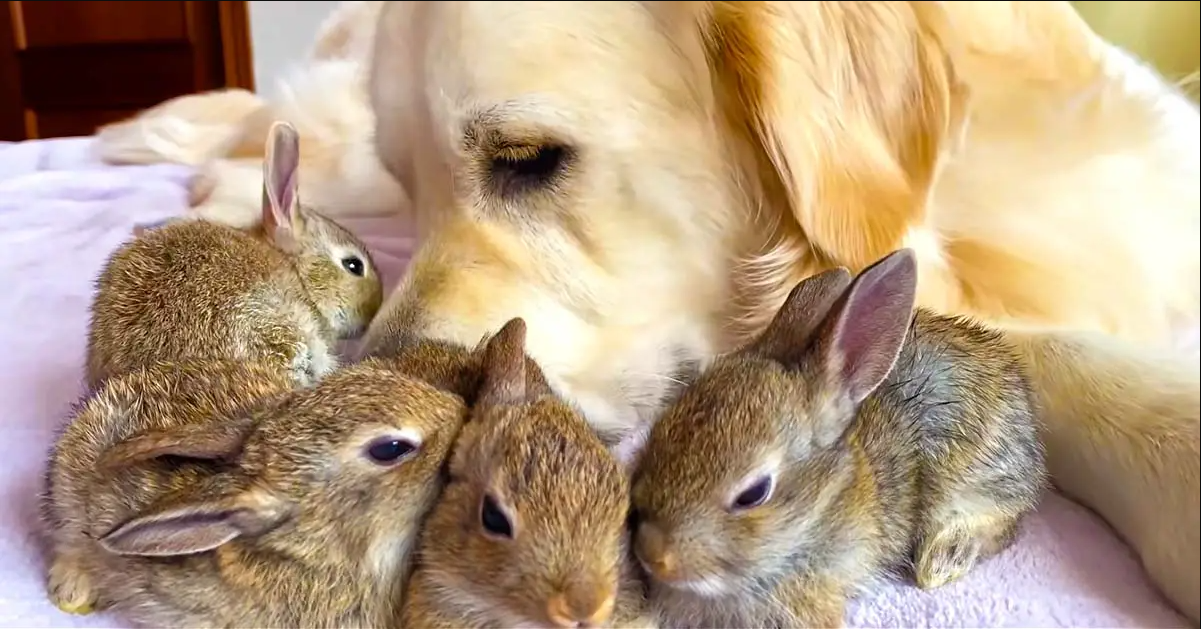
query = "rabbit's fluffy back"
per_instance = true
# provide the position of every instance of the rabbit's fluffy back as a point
(444, 364)
(954, 368)
(194, 289)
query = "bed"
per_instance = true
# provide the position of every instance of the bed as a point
(62, 212)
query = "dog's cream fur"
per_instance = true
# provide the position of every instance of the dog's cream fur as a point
(720, 151)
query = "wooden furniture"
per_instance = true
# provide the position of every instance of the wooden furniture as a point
(67, 67)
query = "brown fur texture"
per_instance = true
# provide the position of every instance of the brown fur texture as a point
(445, 365)
(195, 289)
(526, 458)
(803, 467)
(160, 396)
(173, 509)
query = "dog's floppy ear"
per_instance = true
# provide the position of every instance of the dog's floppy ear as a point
(855, 103)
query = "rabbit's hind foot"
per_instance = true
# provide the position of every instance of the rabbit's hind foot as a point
(70, 588)
(950, 551)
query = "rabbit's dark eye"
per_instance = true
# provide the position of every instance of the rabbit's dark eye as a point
(390, 450)
(353, 265)
(494, 520)
(753, 496)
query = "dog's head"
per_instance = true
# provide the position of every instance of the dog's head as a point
(643, 181)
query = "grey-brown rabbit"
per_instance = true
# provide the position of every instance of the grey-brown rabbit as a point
(160, 397)
(299, 513)
(530, 530)
(285, 293)
(831, 451)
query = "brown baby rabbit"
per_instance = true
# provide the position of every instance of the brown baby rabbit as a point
(161, 396)
(190, 288)
(299, 514)
(530, 529)
(831, 451)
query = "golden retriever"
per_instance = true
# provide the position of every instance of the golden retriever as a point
(643, 182)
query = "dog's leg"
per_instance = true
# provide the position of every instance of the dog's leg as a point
(1121, 432)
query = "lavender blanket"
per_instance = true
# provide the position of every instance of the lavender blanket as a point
(61, 213)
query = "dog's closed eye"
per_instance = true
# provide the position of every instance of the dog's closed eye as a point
(524, 168)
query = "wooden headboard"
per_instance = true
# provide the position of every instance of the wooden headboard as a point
(67, 67)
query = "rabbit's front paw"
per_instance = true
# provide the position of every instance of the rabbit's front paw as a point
(949, 552)
(69, 587)
(946, 556)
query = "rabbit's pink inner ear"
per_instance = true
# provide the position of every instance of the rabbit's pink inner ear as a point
(280, 177)
(869, 325)
(788, 336)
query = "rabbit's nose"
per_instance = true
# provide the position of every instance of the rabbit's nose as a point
(654, 552)
(580, 612)
(662, 568)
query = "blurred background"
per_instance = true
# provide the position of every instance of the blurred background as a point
(69, 66)
(1166, 34)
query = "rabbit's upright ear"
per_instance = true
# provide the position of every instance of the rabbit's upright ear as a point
(862, 336)
(790, 333)
(216, 440)
(510, 376)
(196, 525)
(282, 219)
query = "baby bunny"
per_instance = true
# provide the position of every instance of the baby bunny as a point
(299, 514)
(530, 530)
(163, 396)
(285, 293)
(832, 451)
